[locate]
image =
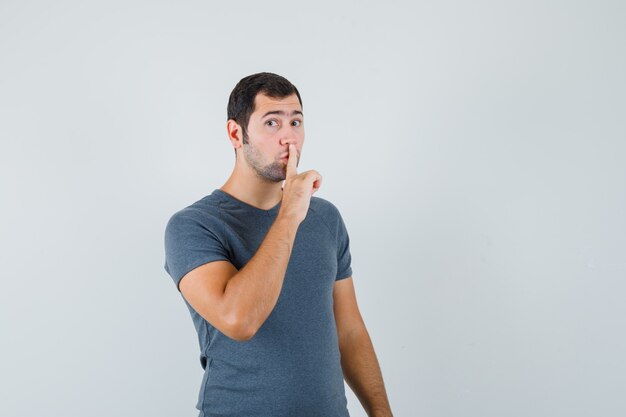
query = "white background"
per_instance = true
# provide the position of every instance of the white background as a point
(476, 151)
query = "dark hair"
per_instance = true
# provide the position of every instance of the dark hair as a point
(241, 100)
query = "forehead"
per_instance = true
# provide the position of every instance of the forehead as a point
(263, 104)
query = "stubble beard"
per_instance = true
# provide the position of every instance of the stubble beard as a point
(273, 172)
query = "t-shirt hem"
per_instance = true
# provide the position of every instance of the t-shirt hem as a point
(195, 265)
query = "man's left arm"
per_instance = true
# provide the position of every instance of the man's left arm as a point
(358, 360)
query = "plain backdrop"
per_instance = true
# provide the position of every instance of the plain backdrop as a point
(476, 151)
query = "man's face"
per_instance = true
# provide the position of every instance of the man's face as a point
(274, 124)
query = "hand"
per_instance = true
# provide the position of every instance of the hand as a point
(298, 188)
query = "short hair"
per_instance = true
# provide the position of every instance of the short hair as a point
(241, 100)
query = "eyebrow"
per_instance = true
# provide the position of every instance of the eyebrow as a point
(282, 113)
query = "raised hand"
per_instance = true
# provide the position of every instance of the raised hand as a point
(298, 188)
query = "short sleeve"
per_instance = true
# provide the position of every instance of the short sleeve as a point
(190, 243)
(344, 260)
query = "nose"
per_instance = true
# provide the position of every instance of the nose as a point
(288, 138)
(289, 135)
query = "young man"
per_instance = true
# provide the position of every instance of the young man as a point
(265, 272)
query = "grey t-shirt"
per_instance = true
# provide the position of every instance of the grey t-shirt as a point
(291, 367)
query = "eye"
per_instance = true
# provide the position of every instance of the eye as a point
(298, 122)
(270, 121)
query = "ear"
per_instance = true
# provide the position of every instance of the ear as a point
(234, 133)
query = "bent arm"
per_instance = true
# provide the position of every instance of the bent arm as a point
(250, 295)
(237, 302)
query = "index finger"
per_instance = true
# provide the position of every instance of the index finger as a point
(292, 161)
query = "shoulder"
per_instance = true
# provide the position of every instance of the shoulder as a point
(204, 213)
(323, 207)
(327, 211)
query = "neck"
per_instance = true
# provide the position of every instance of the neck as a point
(245, 185)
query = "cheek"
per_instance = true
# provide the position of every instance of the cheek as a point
(268, 147)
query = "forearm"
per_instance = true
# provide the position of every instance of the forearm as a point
(251, 294)
(362, 373)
